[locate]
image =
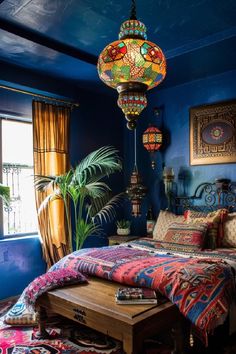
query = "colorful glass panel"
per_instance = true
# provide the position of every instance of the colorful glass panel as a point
(152, 139)
(132, 103)
(131, 28)
(132, 60)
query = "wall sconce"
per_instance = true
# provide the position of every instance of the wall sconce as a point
(168, 179)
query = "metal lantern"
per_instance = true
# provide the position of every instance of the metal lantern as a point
(136, 192)
(152, 141)
(132, 65)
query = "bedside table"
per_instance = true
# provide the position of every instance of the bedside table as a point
(117, 239)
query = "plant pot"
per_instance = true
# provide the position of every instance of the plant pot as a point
(123, 232)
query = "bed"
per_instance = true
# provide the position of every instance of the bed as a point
(191, 260)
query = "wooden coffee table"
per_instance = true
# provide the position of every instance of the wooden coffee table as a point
(93, 305)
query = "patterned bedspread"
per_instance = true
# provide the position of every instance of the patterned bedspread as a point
(202, 287)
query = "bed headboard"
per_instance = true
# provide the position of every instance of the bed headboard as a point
(207, 197)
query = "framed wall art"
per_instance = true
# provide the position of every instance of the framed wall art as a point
(213, 133)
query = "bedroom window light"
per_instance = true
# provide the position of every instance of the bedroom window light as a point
(17, 172)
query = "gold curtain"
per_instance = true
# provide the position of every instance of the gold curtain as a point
(51, 144)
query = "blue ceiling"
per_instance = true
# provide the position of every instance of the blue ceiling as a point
(63, 38)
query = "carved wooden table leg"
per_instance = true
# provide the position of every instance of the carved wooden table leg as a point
(42, 318)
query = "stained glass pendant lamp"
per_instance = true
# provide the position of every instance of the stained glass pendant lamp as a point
(152, 141)
(132, 65)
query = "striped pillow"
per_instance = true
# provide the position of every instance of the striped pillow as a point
(185, 237)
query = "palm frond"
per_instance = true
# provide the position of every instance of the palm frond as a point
(49, 198)
(103, 161)
(97, 190)
(63, 182)
(108, 211)
(94, 177)
(98, 203)
(5, 194)
(42, 183)
(74, 192)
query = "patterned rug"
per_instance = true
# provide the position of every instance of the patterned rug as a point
(66, 337)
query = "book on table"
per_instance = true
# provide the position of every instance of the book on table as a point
(126, 296)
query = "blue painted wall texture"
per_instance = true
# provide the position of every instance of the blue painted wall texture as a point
(21, 261)
(175, 103)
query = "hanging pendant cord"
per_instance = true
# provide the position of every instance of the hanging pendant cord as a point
(135, 150)
(133, 11)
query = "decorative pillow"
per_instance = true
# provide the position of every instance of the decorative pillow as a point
(164, 220)
(229, 227)
(23, 312)
(215, 220)
(185, 237)
(20, 314)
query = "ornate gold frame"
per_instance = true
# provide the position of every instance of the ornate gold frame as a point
(213, 133)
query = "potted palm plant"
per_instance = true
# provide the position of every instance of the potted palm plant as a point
(85, 187)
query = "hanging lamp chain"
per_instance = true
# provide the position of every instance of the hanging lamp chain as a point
(133, 10)
(135, 150)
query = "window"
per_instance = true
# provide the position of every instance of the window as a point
(17, 172)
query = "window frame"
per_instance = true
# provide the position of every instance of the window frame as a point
(15, 235)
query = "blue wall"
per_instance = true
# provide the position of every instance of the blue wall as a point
(20, 262)
(177, 102)
(174, 122)
(98, 122)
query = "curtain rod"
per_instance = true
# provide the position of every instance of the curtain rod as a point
(75, 104)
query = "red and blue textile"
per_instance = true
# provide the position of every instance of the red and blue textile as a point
(202, 288)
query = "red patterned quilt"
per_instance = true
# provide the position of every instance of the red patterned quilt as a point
(202, 288)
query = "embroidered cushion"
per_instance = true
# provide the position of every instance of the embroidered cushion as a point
(165, 218)
(22, 313)
(185, 237)
(229, 227)
(215, 220)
